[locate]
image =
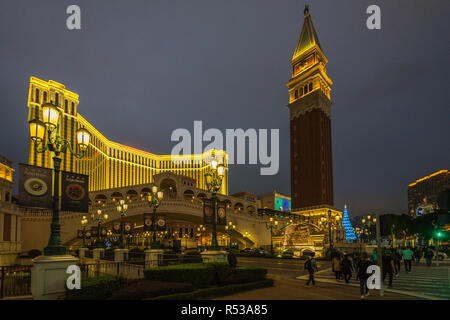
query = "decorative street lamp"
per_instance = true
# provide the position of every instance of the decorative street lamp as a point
(228, 229)
(272, 224)
(99, 219)
(84, 222)
(201, 229)
(246, 236)
(328, 222)
(370, 222)
(46, 136)
(154, 200)
(214, 179)
(122, 209)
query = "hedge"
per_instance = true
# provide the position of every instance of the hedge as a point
(142, 289)
(198, 274)
(215, 292)
(97, 288)
(245, 275)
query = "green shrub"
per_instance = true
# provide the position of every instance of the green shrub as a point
(246, 275)
(232, 261)
(97, 288)
(198, 274)
(213, 292)
(142, 289)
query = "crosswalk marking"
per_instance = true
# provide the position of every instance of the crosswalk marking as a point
(427, 282)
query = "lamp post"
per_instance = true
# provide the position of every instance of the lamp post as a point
(213, 183)
(122, 209)
(46, 136)
(84, 222)
(246, 236)
(328, 222)
(154, 200)
(369, 222)
(272, 224)
(201, 229)
(228, 228)
(99, 219)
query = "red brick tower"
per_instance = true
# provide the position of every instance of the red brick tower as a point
(310, 123)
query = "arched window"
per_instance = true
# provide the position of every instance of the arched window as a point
(66, 106)
(36, 99)
(44, 99)
(57, 99)
(301, 91)
(310, 86)
(296, 94)
(305, 89)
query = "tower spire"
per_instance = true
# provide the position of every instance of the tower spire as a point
(308, 36)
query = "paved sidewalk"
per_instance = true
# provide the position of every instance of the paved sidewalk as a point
(423, 282)
(291, 289)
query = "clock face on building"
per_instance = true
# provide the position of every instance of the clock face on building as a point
(161, 222)
(75, 192)
(221, 212)
(148, 222)
(80, 234)
(88, 234)
(35, 187)
(127, 227)
(117, 226)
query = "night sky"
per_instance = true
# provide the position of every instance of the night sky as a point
(145, 68)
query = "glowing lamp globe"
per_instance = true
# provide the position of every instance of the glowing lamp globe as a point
(154, 189)
(160, 195)
(220, 170)
(214, 164)
(37, 130)
(83, 138)
(50, 115)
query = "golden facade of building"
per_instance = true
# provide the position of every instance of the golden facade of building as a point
(110, 164)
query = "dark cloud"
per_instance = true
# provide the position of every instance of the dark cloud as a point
(145, 68)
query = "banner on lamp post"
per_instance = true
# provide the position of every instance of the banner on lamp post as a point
(75, 192)
(35, 186)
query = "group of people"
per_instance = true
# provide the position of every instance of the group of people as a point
(344, 265)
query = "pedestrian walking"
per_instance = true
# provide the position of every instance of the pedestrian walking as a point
(407, 257)
(388, 266)
(374, 257)
(397, 261)
(418, 255)
(347, 268)
(363, 264)
(311, 267)
(336, 266)
(428, 256)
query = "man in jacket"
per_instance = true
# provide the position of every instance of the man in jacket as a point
(311, 267)
(407, 257)
(363, 264)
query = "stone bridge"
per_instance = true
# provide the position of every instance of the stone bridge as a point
(182, 204)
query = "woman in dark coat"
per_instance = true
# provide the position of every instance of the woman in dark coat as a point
(347, 268)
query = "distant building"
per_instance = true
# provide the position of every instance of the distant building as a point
(423, 193)
(275, 201)
(10, 217)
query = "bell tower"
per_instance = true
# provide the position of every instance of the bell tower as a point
(310, 122)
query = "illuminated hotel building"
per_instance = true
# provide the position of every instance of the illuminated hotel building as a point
(423, 193)
(109, 164)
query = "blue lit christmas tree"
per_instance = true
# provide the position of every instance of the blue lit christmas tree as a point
(349, 234)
